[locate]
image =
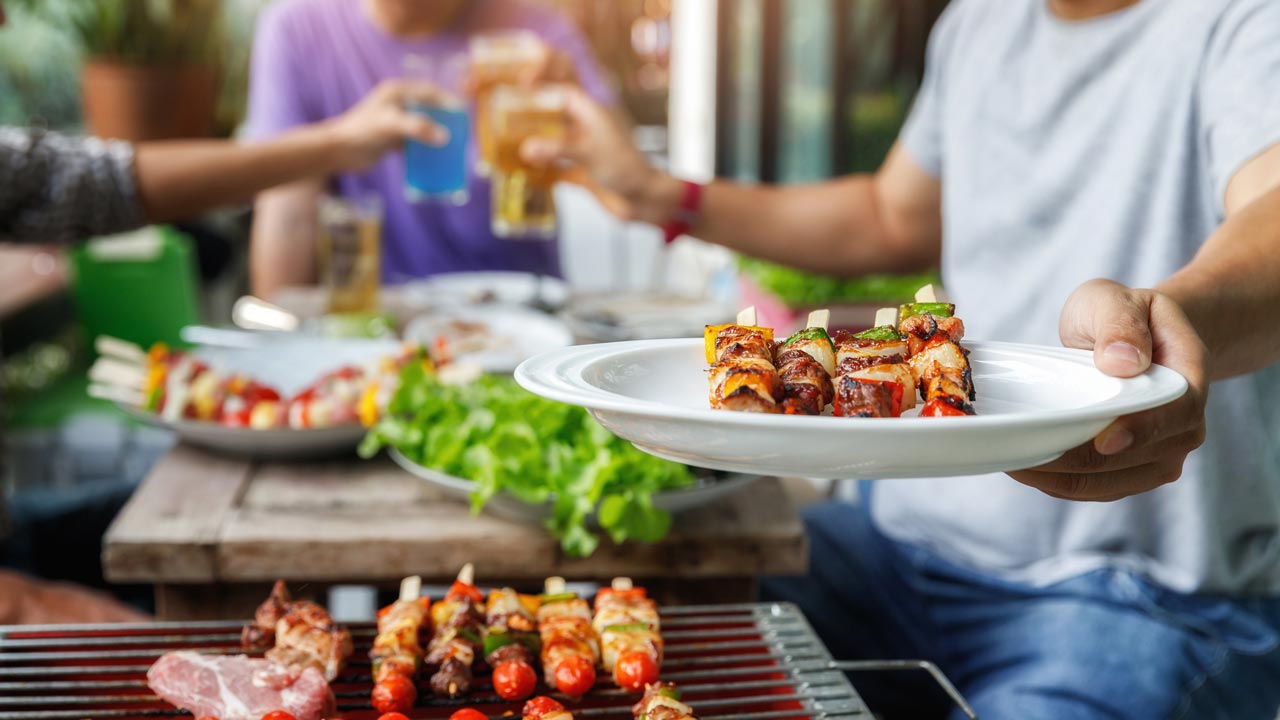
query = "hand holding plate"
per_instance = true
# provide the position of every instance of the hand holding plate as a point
(1128, 330)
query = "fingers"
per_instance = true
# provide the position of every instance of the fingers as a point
(422, 129)
(1088, 459)
(1113, 321)
(1102, 486)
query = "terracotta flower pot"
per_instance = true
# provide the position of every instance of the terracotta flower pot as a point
(138, 102)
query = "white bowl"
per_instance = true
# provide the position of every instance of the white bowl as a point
(1034, 403)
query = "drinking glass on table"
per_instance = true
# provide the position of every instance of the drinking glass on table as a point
(349, 252)
(438, 172)
(523, 204)
(498, 59)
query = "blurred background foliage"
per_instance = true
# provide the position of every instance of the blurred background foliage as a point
(45, 42)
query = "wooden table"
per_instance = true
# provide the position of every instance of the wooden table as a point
(212, 533)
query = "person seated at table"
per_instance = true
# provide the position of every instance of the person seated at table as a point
(312, 57)
(60, 189)
(1104, 174)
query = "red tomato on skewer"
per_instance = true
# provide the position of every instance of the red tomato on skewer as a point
(634, 671)
(575, 676)
(514, 680)
(539, 706)
(468, 714)
(395, 693)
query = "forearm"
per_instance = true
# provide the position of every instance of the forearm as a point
(183, 178)
(887, 222)
(283, 248)
(1230, 292)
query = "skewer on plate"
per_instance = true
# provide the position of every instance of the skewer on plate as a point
(743, 376)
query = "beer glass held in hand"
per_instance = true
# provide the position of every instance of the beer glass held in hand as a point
(350, 252)
(498, 59)
(438, 172)
(523, 204)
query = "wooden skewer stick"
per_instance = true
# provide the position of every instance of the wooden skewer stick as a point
(410, 588)
(116, 393)
(108, 346)
(747, 316)
(886, 316)
(621, 583)
(554, 585)
(820, 319)
(467, 574)
(926, 294)
(109, 371)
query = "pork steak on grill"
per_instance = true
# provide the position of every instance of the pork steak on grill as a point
(238, 687)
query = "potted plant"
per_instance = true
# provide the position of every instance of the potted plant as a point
(151, 66)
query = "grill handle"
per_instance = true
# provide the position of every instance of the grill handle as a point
(853, 666)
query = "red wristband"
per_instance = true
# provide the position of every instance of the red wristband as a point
(686, 215)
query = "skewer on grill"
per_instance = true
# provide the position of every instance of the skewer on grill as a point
(397, 650)
(626, 621)
(570, 649)
(458, 621)
(298, 634)
(806, 362)
(511, 643)
(743, 376)
(661, 701)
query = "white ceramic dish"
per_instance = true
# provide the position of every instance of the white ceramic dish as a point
(506, 505)
(289, 365)
(1034, 403)
(480, 288)
(517, 333)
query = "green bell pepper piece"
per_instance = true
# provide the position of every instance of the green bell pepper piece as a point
(936, 309)
(815, 334)
(673, 693)
(557, 597)
(627, 627)
(883, 332)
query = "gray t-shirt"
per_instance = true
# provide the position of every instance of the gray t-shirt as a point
(1101, 148)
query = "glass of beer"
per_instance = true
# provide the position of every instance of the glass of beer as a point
(498, 59)
(438, 172)
(523, 204)
(349, 252)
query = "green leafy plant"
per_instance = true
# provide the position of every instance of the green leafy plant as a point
(798, 289)
(504, 438)
(151, 32)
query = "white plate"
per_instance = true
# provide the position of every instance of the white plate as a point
(1034, 403)
(510, 507)
(288, 364)
(478, 288)
(517, 333)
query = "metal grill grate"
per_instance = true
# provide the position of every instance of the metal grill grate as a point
(733, 662)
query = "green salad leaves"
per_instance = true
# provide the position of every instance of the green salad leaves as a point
(502, 437)
(797, 288)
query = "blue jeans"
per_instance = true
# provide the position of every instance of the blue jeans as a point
(1106, 644)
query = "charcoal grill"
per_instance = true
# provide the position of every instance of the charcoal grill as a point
(733, 662)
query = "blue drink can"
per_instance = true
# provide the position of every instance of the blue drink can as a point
(439, 172)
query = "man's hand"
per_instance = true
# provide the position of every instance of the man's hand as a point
(379, 123)
(1128, 330)
(28, 601)
(603, 160)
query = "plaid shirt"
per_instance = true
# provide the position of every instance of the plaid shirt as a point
(59, 189)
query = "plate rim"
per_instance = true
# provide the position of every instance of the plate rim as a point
(544, 375)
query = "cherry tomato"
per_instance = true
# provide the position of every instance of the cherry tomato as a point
(393, 716)
(635, 670)
(460, 590)
(468, 714)
(514, 680)
(207, 717)
(279, 715)
(539, 706)
(575, 676)
(395, 693)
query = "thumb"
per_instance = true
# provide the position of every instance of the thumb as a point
(1113, 321)
(417, 127)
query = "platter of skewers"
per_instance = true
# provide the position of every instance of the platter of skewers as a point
(910, 397)
(523, 648)
(298, 398)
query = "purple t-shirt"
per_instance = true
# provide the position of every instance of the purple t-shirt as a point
(314, 59)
